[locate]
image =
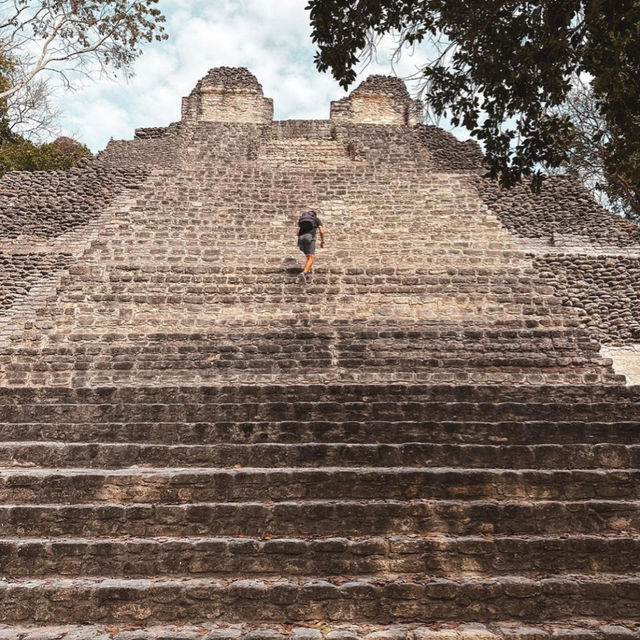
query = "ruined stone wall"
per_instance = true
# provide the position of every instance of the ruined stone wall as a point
(371, 110)
(227, 95)
(241, 107)
(380, 100)
(589, 256)
(396, 147)
(45, 204)
(447, 152)
(564, 208)
(20, 272)
(48, 218)
(155, 146)
(605, 288)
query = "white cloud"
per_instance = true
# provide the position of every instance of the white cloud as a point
(270, 37)
(99, 115)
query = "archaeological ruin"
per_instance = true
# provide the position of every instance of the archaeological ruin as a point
(438, 438)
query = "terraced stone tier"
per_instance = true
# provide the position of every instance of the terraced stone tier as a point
(175, 486)
(318, 517)
(412, 556)
(414, 454)
(380, 601)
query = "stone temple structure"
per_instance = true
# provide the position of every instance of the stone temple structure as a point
(437, 439)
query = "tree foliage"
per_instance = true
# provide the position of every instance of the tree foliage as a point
(45, 41)
(501, 68)
(28, 111)
(66, 36)
(19, 154)
(62, 38)
(588, 155)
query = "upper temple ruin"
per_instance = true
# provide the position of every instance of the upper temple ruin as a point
(435, 439)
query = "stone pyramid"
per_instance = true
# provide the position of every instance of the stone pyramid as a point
(434, 439)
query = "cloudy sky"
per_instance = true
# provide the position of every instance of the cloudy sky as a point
(270, 37)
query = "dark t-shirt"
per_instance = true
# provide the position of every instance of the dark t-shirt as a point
(316, 223)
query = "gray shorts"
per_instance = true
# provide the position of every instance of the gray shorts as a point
(307, 244)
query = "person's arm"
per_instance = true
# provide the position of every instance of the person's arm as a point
(321, 231)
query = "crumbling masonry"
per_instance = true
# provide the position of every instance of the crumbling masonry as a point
(435, 440)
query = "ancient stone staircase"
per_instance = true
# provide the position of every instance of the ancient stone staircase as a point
(421, 444)
(346, 504)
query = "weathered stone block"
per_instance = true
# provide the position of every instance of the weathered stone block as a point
(378, 100)
(228, 94)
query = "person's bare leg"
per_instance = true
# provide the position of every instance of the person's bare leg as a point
(310, 260)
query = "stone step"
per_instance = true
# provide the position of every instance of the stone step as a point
(312, 326)
(99, 455)
(447, 432)
(582, 629)
(338, 517)
(288, 256)
(383, 601)
(432, 321)
(470, 293)
(241, 330)
(195, 312)
(385, 397)
(369, 215)
(78, 366)
(433, 556)
(198, 313)
(119, 408)
(288, 287)
(66, 375)
(269, 357)
(354, 285)
(439, 233)
(289, 357)
(90, 269)
(339, 255)
(249, 345)
(513, 275)
(523, 274)
(285, 260)
(563, 351)
(179, 485)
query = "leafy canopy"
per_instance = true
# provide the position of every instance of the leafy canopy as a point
(589, 157)
(502, 67)
(74, 36)
(66, 40)
(20, 154)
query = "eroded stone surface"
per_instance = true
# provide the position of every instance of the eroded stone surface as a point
(626, 361)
